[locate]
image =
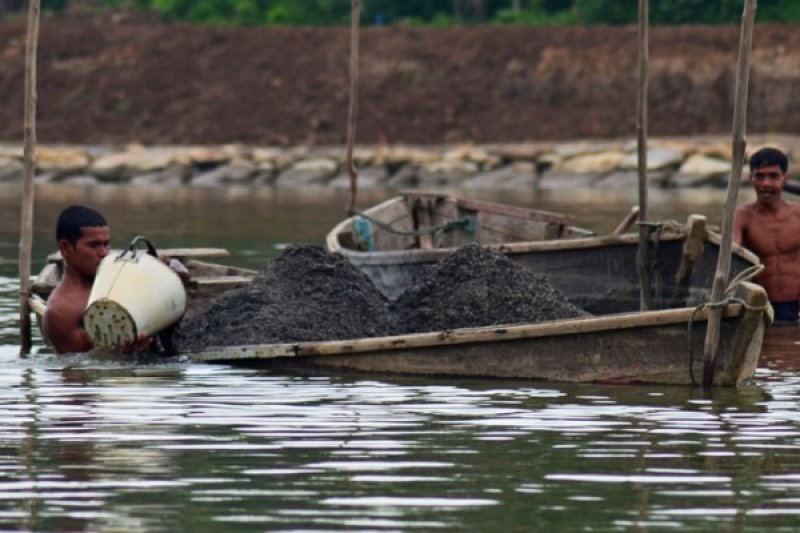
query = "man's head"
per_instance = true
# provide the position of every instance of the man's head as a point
(769, 157)
(768, 168)
(83, 238)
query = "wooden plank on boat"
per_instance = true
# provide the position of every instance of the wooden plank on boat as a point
(177, 253)
(513, 211)
(268, 351)
(463, 336)
(37, 304)
(221, 280)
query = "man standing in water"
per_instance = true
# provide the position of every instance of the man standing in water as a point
(84, 239)
(770, 227)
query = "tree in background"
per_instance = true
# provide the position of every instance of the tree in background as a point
(437, 12)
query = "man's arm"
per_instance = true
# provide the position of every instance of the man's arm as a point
(62, 328)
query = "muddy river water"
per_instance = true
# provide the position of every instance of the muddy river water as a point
(90, 445)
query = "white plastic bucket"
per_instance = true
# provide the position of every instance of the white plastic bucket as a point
(134, 294)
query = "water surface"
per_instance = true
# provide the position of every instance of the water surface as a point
(91, 445)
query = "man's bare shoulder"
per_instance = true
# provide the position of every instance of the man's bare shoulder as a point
(746, 208)
(745, 213)
(794, 208)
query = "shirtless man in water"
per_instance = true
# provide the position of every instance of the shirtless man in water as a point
(84, 239)
(770, 227)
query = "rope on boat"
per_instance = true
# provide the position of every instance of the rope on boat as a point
(467, 223)
(745, 275)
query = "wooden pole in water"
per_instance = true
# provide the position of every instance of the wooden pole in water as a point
(355, 17)
(26, 222)
(738, 145)
(643, 252)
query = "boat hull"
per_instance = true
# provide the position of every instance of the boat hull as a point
(641, 347)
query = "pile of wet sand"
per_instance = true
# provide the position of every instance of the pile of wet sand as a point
(475, 286)
(308, 294)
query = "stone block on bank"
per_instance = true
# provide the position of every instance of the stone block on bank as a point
(547, 161)
(367, 177)
(315, 171)
(404, 178)
(11, 170)
(478, 155)
(110, 167)
(172, 176)
(681, 180)
(81, 179)
(657, 159)
(237, 171)
(444, 173)
(62, 160)
(630, 180)
(521, 174)
(521, 151)
(202, 157)
(264, 154)
(704, 166)
(569, 150)
(120, 166)
(403, 155)
(599, 163)
(715, 150)
(11, 151)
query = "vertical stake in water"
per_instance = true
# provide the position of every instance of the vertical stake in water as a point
(355, 17)
(643, 252)
(738, 145)
(26, 222)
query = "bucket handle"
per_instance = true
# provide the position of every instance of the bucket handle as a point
(132, 247)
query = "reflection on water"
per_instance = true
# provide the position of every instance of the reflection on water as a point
(211, 448)
(89, 445)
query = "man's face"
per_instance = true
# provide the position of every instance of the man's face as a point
(768, 183)
(88, 251)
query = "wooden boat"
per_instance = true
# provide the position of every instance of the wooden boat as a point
(662, 347)
(621, 344)
(597, 273)
(207, 279)
(394, 241)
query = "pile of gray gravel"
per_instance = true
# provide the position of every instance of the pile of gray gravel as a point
(475, 286)
(308, 294)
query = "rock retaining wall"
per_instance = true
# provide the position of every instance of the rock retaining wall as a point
(672, 162)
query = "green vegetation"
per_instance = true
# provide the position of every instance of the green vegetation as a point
(441, 12)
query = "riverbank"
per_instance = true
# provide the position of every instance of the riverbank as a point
(126, 78)
(604, 164)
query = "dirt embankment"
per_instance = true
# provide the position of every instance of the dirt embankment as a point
(135, 80)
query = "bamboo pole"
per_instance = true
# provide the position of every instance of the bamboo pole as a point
(643, 252)
(26, 222)
(355, 17)
(738, 145)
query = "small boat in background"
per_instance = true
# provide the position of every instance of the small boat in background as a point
(393, 241)
(396, 241)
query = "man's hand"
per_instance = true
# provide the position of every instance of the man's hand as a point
(177, 267)
(142, 343)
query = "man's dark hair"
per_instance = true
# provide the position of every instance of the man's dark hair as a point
(75, 217)
(767, 157)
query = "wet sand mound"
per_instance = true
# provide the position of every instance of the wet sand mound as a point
(306, 294)
(478, 287)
